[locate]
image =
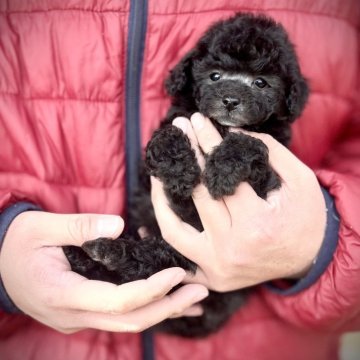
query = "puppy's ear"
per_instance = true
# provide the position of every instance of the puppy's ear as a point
(180, 77)
(297, 96)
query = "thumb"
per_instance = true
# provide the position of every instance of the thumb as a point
(84, 227)
(72, 229)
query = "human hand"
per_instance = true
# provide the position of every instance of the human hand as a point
(38, 278)
(247, 240)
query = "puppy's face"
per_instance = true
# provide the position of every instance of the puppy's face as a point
(242, 72)
(238, 98)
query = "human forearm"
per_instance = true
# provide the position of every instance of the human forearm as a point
(333, 300)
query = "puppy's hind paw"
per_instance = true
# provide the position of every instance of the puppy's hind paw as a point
(106, 251)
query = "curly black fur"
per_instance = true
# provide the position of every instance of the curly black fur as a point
(242, 73)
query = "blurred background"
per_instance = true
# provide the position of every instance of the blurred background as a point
(350, 346)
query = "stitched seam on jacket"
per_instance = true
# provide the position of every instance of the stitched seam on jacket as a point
(67, 9)
(243, 9)
(334, 16)
(57, 98)
(54, 183)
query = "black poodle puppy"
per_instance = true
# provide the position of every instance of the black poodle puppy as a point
(242, 73)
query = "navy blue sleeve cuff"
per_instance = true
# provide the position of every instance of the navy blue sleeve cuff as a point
(324, 256)
(6, 217)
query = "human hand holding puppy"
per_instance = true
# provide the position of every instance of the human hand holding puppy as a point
(247, 240)
(39, 280)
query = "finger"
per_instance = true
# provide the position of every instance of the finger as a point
(151, 314)
(177, 233)
(185, 125)
(199, 277)
(209, 209)
(195, 310)
(282, 160)
(100, 296)
(207, 135)
(74, 229)
(244, 199)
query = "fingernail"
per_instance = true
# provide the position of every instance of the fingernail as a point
(201, 295)
(143, 232)
(195, 310)
(178, 278)
(197, 121)
(109, 226)
(181, 123)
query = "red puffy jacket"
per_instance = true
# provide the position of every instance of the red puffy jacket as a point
(72, 77)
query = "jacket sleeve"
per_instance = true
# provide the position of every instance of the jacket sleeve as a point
(332, 302)
(10, 208)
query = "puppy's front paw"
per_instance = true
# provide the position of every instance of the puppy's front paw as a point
(170, 158)
(239, 158)
(129, 259)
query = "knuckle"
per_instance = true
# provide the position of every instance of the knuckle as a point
(266, 139)
(139, 328)
(309, 175)
(158, 295)
(132, 328)
(79, 227)
(166, 233)
(66, 325)
(269, 142)
(304, 176)
(178, 312)
(67, 331)
(201, 193)
(219, 285)
(121, 306)
(176, 308)
(112, 308)
(221, 275)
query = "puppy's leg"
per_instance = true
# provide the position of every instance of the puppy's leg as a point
(130, 259)
(84, 265)
(170, 158)
(239, 158)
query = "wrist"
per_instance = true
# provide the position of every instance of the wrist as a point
(323, 258)
(6, 218)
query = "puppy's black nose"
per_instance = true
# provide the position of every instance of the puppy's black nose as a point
(230, 102)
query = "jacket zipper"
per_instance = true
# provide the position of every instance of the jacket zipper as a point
(135, 54)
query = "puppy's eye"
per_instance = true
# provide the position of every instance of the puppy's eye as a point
(215, 76)
(260, 83)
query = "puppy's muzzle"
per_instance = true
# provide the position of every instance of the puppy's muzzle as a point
(230, 102)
